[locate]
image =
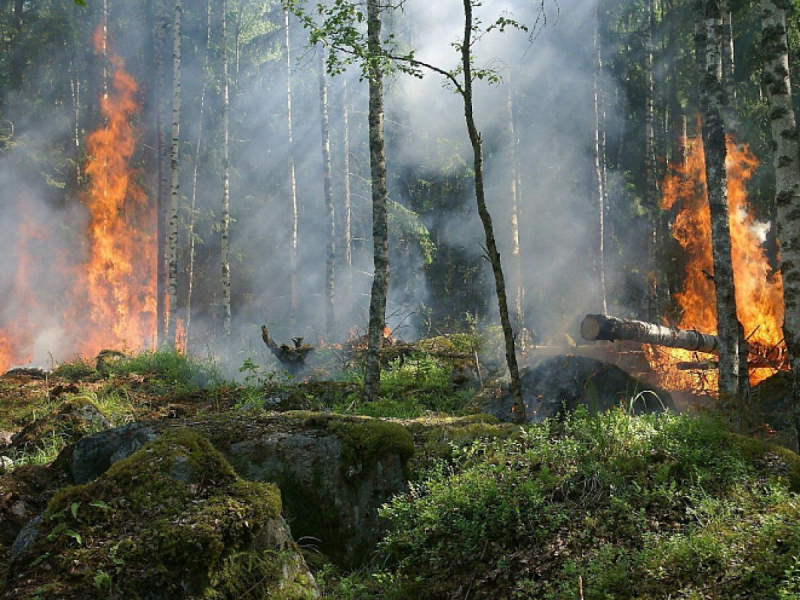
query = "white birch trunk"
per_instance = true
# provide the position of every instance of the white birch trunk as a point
(175, 191)
(287, 48)
(226, 184)
(787, 174)
(330, 265)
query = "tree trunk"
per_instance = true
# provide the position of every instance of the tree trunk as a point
(598, 166)
(162, 187)
(730, 332)
(16, 60)
(330, 267)
(486, 218)
(193, 206)
(515, 210)
(287, 48)
(226, 183)
(348, 216)
(651, 186)
(728, 67)
(787, 172)
(175, 189)
(380, 237)
(611, 329)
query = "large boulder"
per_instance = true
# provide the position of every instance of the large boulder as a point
(171, 521)
(556, 384)
(334, 472)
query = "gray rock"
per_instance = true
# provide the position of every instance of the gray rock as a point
(328, 500)
(93, 455)
(6, 464)
(26, 537)
(6, 437)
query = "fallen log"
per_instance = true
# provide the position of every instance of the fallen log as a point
(602, 327)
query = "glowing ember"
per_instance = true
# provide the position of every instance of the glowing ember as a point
(758, 290)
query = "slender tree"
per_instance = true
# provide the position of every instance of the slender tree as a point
(787, 171)
(226, 182)
(728, 66)
(193, 204)
(287, 49)
(519, 296)
(732, 382)
(330, 265)
(651, 186)
(598, 163)
(380, 225)
(162, 169)
(348, 216)
(172, 244)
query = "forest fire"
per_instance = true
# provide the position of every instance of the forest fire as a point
(111, 301)
(758, 288)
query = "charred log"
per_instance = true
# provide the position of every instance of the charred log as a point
(602, 327)
(293, 358)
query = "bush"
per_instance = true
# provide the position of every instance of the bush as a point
(647, 506)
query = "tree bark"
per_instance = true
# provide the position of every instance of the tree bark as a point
(287, 48)
(598, 166)
(175, 188)
(162, 186)
(728, 67)
(226, 183)
(330, 266)
(485, 216)
(787, 172)
(380, 237)
(651, 186)
(515, 210)
(348, 216)
(193, 205)
(712, 101)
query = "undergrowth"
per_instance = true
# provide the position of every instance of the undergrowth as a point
(622, 506)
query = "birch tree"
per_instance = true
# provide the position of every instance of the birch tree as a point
(226, 183)
(330, 263)
(651, 186)
(732, 382)
(193, 203)
(287, 49)
(598, 164)
(172, 245)
(162, 169)
(348, 216)
(787, 172)
(519, 296)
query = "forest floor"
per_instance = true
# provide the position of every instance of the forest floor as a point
(611, 505)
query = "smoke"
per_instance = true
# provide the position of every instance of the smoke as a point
(438, 273)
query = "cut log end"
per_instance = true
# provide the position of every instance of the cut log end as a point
(590, 328)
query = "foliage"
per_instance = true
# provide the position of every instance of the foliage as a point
(168, 369)
(635, 506)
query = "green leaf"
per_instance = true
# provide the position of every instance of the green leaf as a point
(80, 2)
(100, 504)
(75, 536)
(73, 508)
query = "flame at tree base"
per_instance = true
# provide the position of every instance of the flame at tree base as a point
(759, 290)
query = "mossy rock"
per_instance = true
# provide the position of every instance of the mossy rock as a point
(171, 521)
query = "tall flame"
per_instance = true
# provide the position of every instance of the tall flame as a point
(110, 301)
(759, 292)
(118, 282)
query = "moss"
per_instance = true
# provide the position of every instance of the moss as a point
(364, 440)
(167, 518)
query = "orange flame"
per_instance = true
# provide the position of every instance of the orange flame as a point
(110, 299)
(118, 281)
(759, 292)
